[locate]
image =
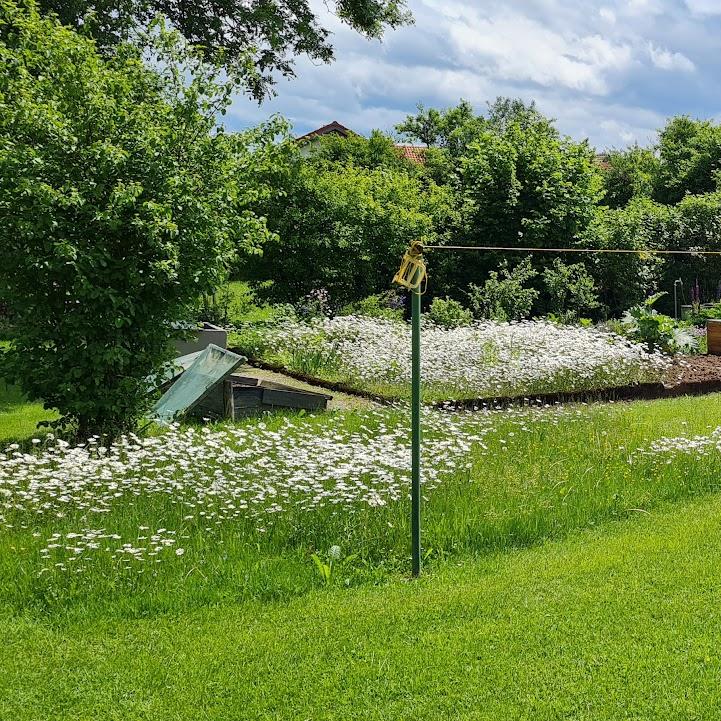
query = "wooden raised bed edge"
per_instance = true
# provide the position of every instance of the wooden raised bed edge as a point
(641, 391)
(337, 386)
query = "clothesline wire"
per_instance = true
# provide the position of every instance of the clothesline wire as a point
(640, 251)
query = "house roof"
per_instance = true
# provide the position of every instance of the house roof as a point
(334, 128)
(414, 153)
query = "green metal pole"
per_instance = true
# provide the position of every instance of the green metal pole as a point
(416, 431)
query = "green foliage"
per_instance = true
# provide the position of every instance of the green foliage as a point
(625, 280)
(526, 185)
(504, 296)
(628, 174)
(450, 128)
(376, 151)
(644, 324)
(275, 33)
(689, 159)
(570, 289)
(388, 305)
(449, 313)
(699, 316)
(343, 228)
(121, 203)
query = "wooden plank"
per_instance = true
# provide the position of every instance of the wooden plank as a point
(713, 335)
(245, 380)
(228, 402)
(247, 397)
(293, 399)
(264, 383)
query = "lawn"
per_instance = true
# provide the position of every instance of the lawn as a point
(18, 418)
(259, 569)
(616, 623)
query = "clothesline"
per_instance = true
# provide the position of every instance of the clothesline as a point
(640, 251)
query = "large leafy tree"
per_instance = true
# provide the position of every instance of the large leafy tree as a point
(273, 32)
(121, 201)
(689, 159)
(628, 174)
(343, 226)
(518, 182)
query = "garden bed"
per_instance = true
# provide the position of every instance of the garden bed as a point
(688, 376)
(483, 360)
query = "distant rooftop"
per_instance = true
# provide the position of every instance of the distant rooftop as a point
(414, 153)
(334, 128)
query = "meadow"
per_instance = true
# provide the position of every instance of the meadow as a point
(484, 359)
(260, 569)
(272, 508)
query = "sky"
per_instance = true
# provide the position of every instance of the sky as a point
(611, 72)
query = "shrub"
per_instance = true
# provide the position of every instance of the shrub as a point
(449, 313)
(659, 332)
(121, 202)
(388, 305)
(571, 290)
(503, 296)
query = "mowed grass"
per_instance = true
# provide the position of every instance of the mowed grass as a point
(537, 475)
(616, 623)
(18, 417)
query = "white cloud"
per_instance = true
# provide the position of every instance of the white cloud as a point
(668, 60)
(522, 49)
(604, 70)
(608, 15)
(704, 7)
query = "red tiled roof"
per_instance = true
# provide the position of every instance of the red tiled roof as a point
(332, 128)
(414, 153)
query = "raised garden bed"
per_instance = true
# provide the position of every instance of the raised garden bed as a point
(690, 375)
(201, 338)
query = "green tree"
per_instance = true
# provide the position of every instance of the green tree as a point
(570, 289)
(689, 159)
(625, 280)
(450, 128)
(627, 174)
(343, 228)
(275, 32)
(505, 296)
(121, 202)
(528, 186)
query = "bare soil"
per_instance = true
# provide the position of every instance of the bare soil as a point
(693, 369)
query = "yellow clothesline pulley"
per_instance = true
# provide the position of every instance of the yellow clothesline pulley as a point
(413, 268)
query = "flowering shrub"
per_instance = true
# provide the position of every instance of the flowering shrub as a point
(483, 359)
(449, 313)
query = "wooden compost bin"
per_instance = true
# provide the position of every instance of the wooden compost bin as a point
(713, 336)
(242, 395)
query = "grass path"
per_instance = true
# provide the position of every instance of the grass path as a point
(620, 623)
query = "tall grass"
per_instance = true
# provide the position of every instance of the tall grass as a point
(531, 475)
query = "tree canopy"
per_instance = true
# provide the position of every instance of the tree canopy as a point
(121, 201)
(271, 33)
